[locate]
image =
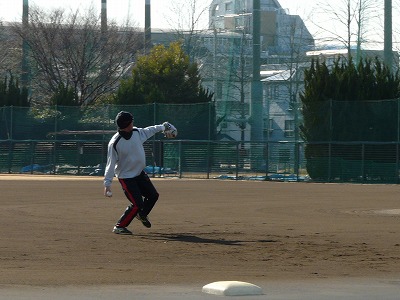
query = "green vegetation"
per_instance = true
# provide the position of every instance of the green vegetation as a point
(346, 103)
(11, 94)
(165, 75)
(65, 96)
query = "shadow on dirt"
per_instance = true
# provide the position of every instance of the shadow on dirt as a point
(190, 238)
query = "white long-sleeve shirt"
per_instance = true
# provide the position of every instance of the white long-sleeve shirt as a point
(126, 158)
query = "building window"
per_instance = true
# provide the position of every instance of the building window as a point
(289, 128)
(269, 92)
(228, 7)
(218, 93)
(241, 6)
(273, 91)
(214, 11)
(276, 92)
(268, 124)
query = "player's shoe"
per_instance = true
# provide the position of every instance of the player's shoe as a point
(121, 230)
(145, 221)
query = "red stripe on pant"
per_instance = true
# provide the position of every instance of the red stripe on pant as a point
(130, 211)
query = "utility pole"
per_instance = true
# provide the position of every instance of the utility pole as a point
(147, 26)
(25, 47)
(103, 17)
(388, 52)
(103, 37)
(256, 107)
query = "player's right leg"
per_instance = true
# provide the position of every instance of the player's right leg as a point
(132, 192)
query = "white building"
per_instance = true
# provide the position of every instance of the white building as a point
(227, 68)
(279, 30)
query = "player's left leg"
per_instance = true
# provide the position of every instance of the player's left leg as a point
(150, 197)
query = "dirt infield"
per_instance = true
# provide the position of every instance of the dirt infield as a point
(57, 231)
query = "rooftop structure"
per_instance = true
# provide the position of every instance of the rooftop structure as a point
(278, 29)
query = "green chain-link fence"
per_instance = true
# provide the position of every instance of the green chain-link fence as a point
(71, 140)
(195, 121)
(210, 159)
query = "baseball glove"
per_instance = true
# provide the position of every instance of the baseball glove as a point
(170, 131)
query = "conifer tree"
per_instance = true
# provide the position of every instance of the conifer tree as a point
(11, 94)
(347, 103)
(165, 75)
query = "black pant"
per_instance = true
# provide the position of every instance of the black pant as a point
(142, 194)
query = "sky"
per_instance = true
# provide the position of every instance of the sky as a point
(164, 14)
(162, 10)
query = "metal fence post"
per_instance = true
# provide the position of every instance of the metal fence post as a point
(11, 123)
(398, 141)
(297, 159)
(398, 120)
(397, 163)
(55, 140)
(209, 120)
(32, 155)
(266, 159)
(237, 160)
(330, 119)
(180, 159)
(10, 151)
(363, 162)
(79, 148)
(329, 161)
(208, 160)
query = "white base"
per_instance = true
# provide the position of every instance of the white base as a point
(395, 211)
(232, 288)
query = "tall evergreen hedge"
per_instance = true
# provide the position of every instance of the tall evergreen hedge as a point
(11, 94)
(348, 102)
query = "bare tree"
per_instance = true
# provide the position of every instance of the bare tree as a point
(298, 43)
(366, 14)
(187, 22)
(240, 66)
(71, 50)
(396, 25)
(10, 52)
(188, 14)
(3, 47)
(350, 16)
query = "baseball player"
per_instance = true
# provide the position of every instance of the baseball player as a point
(126, 160)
